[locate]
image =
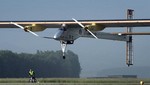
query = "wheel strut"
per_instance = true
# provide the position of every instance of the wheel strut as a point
(63, 47)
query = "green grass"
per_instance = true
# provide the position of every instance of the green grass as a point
(76, 81)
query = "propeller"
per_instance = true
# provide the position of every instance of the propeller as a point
(30, 31)
(24, 28)
(85, 29)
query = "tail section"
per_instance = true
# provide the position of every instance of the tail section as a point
(129, 44)
(129, 51)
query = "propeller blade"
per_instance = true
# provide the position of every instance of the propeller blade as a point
(33, 33)
(24, 28)
(79, 23)
(84, 28)
(92, 34)
(17, 25)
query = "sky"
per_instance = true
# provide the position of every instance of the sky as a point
(94, 55)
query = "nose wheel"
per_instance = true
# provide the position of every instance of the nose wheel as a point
(64, 57)
(63, 47)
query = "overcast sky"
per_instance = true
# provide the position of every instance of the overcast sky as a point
(94, 55)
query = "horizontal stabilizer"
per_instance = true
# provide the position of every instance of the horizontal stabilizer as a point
(131, 33)
(109, 36)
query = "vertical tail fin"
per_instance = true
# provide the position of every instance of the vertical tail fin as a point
(129, 44)
(129, 51)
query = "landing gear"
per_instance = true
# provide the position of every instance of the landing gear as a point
(63, 47)
(64, 57)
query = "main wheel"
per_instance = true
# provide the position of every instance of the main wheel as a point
(64, 57)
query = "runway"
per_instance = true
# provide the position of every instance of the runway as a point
(74, 81)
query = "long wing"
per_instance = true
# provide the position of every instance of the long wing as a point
(71, 23)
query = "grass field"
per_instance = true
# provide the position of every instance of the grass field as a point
(74, 81)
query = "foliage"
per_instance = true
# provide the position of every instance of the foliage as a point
(44, 63)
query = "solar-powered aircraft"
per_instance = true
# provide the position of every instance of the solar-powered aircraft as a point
(70, 30)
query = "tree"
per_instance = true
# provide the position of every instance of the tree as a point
(44, 63)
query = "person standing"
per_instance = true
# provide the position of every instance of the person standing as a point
(32, 76)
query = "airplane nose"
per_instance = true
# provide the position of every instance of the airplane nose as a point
(58, 35)
(55, 36)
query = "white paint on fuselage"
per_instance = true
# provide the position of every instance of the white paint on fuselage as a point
(69, 34)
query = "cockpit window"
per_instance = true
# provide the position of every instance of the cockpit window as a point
(63, 29)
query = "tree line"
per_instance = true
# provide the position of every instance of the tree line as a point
(44, 63)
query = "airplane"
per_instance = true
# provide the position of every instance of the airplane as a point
(70, 30)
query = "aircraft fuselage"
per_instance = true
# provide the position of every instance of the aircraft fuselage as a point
(69, 34)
